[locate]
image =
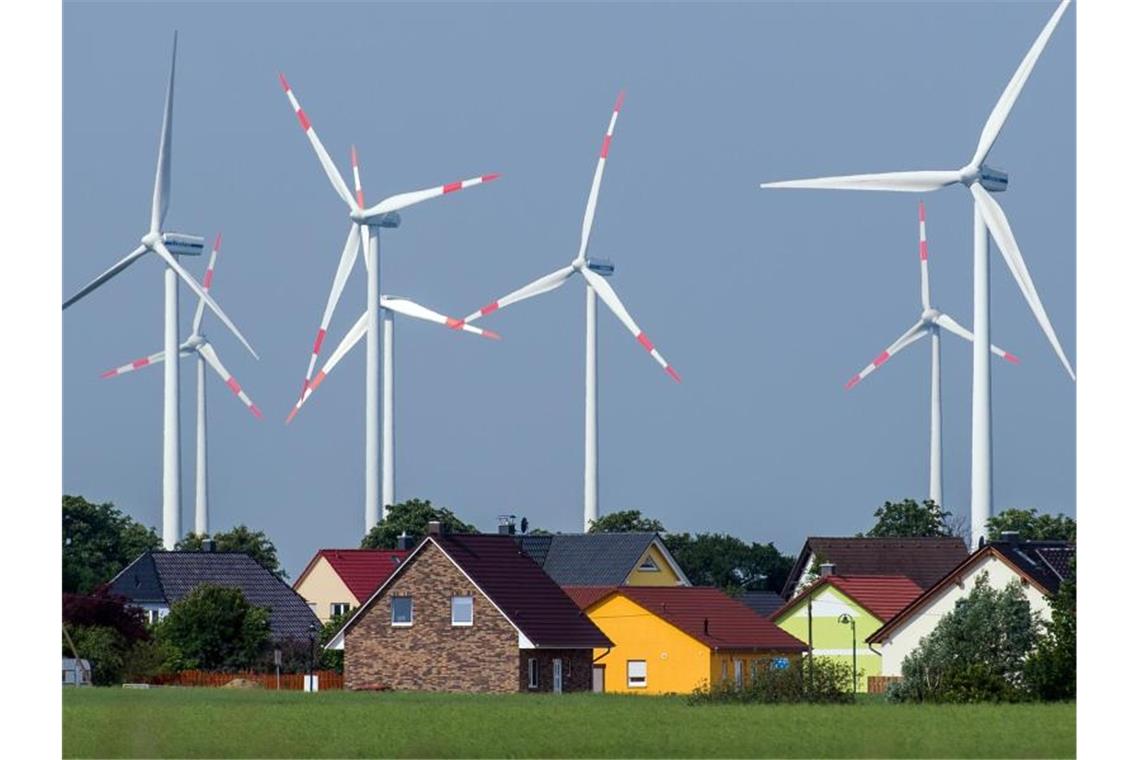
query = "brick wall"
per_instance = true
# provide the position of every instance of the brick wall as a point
(577, 667)
(431, 654)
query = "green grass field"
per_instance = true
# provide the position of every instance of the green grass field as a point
(229, 723)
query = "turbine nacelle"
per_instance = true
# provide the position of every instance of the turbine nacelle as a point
(994, 180)
(181, 244)
(604, 267)
(388, 220)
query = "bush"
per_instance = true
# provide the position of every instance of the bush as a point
(1051, 671)
(825, 680)
(214, 628)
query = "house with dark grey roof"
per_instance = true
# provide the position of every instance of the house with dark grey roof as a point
(763, 603)
(1039, 567)
(604, 559)
(158, 579)
(924, 560)
(468, 613)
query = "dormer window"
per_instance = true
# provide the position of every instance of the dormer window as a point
(648, 565)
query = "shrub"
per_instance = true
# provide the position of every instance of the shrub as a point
(826, 680)
(214, 628)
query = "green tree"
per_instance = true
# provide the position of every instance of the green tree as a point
(411, 517)
(1032, 526)
(240, 539)
(626, 521)
(727, 562)
(1051, 671)
(214, 628)
(909, 519)
(977, 652)
(98, 542)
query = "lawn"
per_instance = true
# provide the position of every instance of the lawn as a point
(229, 723)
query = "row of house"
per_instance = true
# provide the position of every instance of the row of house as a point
(602, 612)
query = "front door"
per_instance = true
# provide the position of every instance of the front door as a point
(557, 675)
(599, 678)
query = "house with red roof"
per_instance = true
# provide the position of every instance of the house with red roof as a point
(834, 614)
(338, 580)
(468, 613)
(673, 639)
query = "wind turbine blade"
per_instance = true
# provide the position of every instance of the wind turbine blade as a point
(946, 321)
(1000, 230)
(172, 262)
(343, 270)
(915, 332)
(119, 266)
(541, 285)
(997, 117)
(161, 199)
(208, 353)
(207, 280)
(146, 361)
(903, 182)
(356, 179)
(322, 155)
(350, 339)
(403, 200)
(412, 309)
(610, 298)
(923, 254)
(592, 200)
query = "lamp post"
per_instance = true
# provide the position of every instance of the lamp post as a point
(846, 619)
(312, 654)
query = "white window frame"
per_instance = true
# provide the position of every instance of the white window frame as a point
(738, 673)
(630, 681)
(532, 673)
(649, 565)
(411, 612)
(333, 605)
(463, 624)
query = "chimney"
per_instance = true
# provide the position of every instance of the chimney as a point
(706, 626)
(403, 541)
(207, 544)
(826, 569)
(506, 525)
(1010, 536)
(434, 528)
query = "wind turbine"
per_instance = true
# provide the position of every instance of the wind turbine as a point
(389, 305)
(980, 179)
(197, 344)
(364, 222)
(930, 322)
(168, 246)
(594, 271)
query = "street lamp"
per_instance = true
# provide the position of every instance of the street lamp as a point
(312, 654)
(846, 619)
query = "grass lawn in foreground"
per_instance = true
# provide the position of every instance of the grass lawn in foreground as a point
(173, 722)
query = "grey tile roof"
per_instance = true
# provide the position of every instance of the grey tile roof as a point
(587, 559)
(167, 577)
(1047, 562)
(763, 603)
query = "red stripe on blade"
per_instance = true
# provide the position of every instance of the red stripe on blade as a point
(110, 373)
(881, 358)
(218, 242)
(491, 334)
(1011, 358)
(645, 341)
(292, 414)
(489, 308)
(317, 343)
(140, 363)
(852, 382)
(320, 378)
(284, 83)
(305, 123)
(360, 198)
(490, 177)
(620, 100)
(921, 211)
(454, 323)
(452, 187)
(606, 146)
(233, 385)
(256, 412)
(673, 374)
(922, 252)
(208, 279)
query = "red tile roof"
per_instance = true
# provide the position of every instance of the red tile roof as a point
(707, 614)
(881, 595)
(362, 570)
(923, 560)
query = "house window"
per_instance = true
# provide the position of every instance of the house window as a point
(532, 673)
(462, 610)
(338, 608)
(153, 616)
(648, 565)
(401, 610)
(738, 672)
(635, 677)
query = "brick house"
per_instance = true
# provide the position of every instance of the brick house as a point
(468, 613)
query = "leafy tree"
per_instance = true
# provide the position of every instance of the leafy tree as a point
(214, 628)
(1051, 671)
(977, 652)
(240, 539)
(112, 636)
(727, 562)
(909, 519)
(626, 521)
(105, 611)
(1032, 526)
(98, 542)
(411, 517)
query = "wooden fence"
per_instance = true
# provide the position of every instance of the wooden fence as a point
(326, 679)
(879, 684)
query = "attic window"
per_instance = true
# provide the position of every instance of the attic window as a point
(648, 565)
(401, 611)
(635, 674)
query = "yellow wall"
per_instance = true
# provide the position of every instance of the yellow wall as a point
(321, 586)
(663, 576)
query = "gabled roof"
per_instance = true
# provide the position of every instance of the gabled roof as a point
(161, 577)
(362, 570)
(707, 614)
(763, 603)
(881, 595)
(593, 559)
(514, 584)
(924, 560)
(1035, 561)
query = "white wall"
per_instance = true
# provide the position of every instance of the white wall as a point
(905, 638)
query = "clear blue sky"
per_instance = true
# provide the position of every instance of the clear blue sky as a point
(764, 301)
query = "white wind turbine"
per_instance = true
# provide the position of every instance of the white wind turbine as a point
(167, 245)
(197, 344)
(594, 271)
(364, 221)
(389, 306)
(931, 322)
(980, 179)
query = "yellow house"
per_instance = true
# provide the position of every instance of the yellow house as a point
(337, 580)
(674, 639)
